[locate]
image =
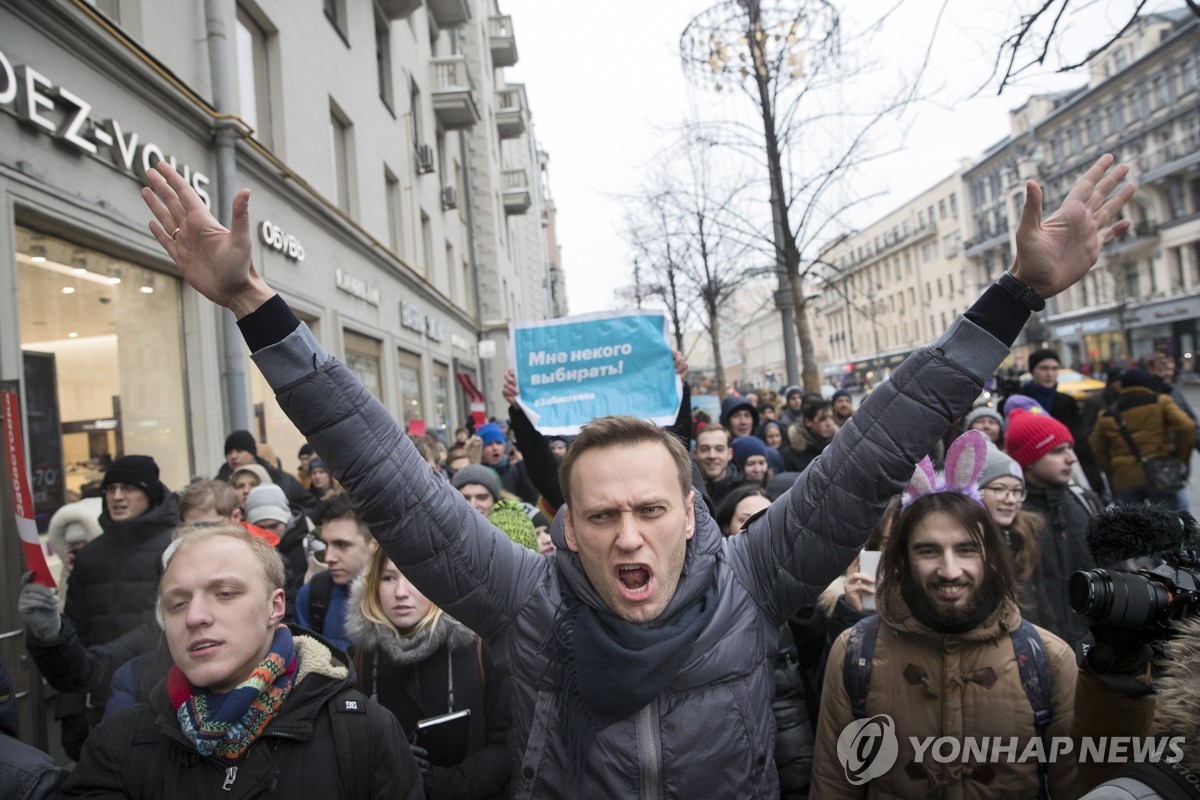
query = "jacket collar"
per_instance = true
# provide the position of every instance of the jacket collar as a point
(895, 612)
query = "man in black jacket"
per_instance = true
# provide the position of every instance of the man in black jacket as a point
(248, 703)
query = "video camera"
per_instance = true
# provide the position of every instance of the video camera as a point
(1145, 600)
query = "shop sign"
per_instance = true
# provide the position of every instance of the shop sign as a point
(357, 287)
(1098, 325)
(417, 320)
(274, 237)
(1063, 331)
(66, 116)
(459, 343)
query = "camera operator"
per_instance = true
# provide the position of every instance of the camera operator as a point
(1128, 612)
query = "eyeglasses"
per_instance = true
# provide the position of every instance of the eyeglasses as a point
(1003, 492)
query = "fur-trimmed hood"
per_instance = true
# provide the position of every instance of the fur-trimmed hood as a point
(85, 514)
(1179, 690)
(385, 639)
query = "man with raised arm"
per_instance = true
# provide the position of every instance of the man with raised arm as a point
(640, 657)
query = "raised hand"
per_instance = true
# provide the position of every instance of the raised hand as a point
(214, 260)
(1054, 253)
(510, 391)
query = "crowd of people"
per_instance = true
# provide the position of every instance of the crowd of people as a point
(707, 610)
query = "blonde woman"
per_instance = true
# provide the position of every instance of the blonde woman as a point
(420, 663)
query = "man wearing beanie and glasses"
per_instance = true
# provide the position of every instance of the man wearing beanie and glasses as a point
(1045, 450)
(113, 586)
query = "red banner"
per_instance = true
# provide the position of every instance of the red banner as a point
(22, 497)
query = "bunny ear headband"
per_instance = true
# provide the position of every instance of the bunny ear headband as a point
(964, 465)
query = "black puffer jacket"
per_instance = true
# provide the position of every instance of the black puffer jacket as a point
(142, 753)
(114, 584)
(1066, 511)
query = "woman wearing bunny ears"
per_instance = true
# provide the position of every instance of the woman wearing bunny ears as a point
(942, 658)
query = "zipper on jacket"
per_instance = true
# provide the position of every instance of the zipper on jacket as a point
(649, 752)
(230, 777)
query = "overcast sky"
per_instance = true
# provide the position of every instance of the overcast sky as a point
(606, 87)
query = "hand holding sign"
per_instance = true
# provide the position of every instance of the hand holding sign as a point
(571, 370)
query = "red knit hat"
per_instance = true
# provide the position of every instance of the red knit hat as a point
(1030, 436)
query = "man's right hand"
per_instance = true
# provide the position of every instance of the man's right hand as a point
(214, 260)
(38, 607)
(510, 391)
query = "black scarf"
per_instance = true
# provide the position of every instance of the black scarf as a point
(610, 668)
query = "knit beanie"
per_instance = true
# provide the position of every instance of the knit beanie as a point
(1136, 376)
(511, 518)
(1030, 436)
(791, 390)
(139, 471)
(982, 411)
(267, 501)
(837, 394)
(490, 434)
(999, 465)
(1038, 356)
(257, 470)
(241, 440)
(316, 463)
(480, 475)
(1022, 401)
(746, 446)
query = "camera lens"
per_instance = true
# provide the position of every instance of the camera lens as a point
(1118, 599)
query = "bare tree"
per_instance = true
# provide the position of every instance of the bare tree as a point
(787, 57)
(690, 258)
(1040, 30)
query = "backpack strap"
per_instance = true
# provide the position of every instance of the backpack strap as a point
(351, 739)
(1033, 664)
(320, 590)
(856, 665)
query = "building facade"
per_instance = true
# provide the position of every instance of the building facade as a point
(397, 201)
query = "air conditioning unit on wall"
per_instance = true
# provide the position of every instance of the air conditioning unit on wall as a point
(449, 198)
(424, 159)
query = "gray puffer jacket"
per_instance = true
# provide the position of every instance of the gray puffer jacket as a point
(710, 733)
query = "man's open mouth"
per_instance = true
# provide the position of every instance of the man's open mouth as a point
(635, 580)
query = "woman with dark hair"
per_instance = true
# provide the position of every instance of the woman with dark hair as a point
(739, 505)
(772, 433)
(421, 663)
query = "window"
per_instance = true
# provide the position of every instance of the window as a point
(395, 212)
(1120, 59)
(920, 219)
(253, 76)
(942, 208)
(954, 204)
(362, 358)
(451, 289)
(1162, 91)
(426, 244)
(341, 149)
(1132, 284)
(383, 58)
(441, 397)
(468, 287)
(1116, 117)
(1095, 131)
(931, 216)
(1075, 138)
(414, 107)
(939, 285)
(950, 245)
(335, 12)
(1191, 72)
(409, 375)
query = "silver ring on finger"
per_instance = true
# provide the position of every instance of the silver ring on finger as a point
(173, 233)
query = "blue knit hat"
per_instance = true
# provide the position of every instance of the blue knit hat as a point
(746, 446)
(491, 434)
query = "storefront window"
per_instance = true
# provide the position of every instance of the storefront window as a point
(410, 386)
(441, 397)
(272, 425)
(102, 340)
(362, 357)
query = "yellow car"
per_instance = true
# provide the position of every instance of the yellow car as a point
(1076, 384)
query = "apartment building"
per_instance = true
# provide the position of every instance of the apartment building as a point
(892, 286)
(1141, 103)
(397, 203)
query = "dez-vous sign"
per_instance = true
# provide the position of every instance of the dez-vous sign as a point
(39, 102)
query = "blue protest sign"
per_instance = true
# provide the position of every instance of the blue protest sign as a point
(573, 369)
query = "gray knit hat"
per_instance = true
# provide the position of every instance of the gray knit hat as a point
(999, 465)
(982, 411)
(478, 474)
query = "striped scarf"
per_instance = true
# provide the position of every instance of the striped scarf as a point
(226, 724)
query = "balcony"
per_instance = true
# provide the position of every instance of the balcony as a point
(453, 99)
(1137, 241)
(510, 112)
(450, 13)
(517, 198)
(501, 40)
(398, 9)
(1171, 158)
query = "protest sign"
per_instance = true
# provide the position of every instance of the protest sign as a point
(573, 369)
(14, 459)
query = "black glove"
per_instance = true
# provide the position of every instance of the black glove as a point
(38, 607)
(421, 756)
